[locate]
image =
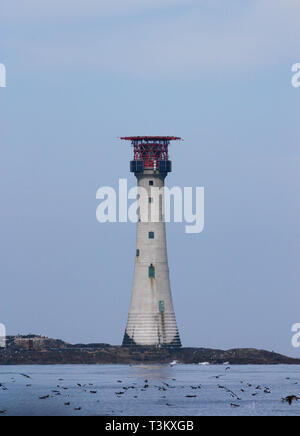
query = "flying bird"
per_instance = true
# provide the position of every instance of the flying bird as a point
(25, 375)
(290, 399)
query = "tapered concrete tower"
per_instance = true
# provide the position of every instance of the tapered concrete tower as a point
(151, 319)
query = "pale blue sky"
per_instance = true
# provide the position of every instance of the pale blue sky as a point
(82, 73)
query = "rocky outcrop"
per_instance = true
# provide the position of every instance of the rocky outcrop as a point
(44, 351)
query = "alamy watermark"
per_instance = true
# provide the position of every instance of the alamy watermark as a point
(2, 336)
(152, 206)
(296, 76)
(296, 337)
(2, 76)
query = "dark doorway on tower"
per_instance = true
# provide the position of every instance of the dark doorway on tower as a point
(151, 271)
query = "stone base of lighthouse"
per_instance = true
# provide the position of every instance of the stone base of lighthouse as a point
(155, 331)
(151, 319)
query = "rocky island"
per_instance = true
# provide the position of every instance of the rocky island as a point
(39, 350)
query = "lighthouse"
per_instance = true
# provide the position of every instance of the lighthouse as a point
(151, 320)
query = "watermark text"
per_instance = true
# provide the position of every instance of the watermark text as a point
(296, 76)
(2, 336)
(2, 76)
(296, 337)
(152, 205)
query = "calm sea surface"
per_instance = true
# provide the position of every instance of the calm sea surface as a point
(148, 390)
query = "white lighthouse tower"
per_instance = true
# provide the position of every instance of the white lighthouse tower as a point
(151, 319)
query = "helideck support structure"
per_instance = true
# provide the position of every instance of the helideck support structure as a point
(151, 320)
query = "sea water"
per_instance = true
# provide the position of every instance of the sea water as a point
(148, 390)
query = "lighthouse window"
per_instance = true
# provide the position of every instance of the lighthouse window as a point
(150, 182)
(151, 272)
(150, 199)
(151, 235)
(161, 306)
(137, 253)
